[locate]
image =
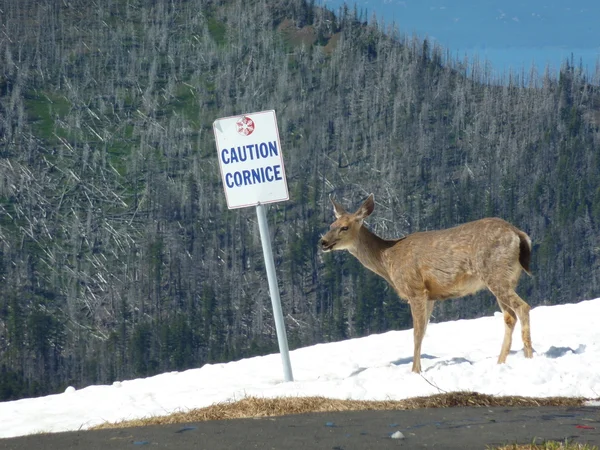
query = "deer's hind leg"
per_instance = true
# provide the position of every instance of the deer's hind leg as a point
(510, 319)
(522, 310)
(430, 306)
(513, 306)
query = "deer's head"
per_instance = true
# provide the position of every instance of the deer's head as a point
(343, 233)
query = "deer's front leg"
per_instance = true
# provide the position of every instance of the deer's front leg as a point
(420, 314)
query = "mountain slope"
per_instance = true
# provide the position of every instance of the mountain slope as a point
(119, 257)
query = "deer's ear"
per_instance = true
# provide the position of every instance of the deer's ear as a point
(338, 209)
(366, 208)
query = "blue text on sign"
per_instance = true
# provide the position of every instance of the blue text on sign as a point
(267, 174)
(249, 152)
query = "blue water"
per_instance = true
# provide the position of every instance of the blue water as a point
(511, 34)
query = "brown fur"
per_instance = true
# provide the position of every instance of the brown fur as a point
(437, 265)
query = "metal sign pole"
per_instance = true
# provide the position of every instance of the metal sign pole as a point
(274, 290)
(253, 173)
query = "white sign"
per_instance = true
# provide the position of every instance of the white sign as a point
(250, 159)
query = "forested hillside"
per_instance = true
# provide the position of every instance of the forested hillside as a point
(118, 255)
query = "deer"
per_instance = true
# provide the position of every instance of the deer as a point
(427, 266)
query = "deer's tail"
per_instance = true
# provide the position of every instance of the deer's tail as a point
(524, 251)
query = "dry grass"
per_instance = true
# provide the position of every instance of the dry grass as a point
(550, 445)
(250, 407)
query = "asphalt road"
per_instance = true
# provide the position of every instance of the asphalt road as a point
(447, 428)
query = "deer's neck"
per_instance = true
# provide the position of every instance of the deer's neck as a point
(370, 249)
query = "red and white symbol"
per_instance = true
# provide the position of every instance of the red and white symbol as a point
(245, 126)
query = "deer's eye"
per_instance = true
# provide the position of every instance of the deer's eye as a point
(344, 229)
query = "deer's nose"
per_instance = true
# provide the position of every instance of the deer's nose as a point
(326, 245)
